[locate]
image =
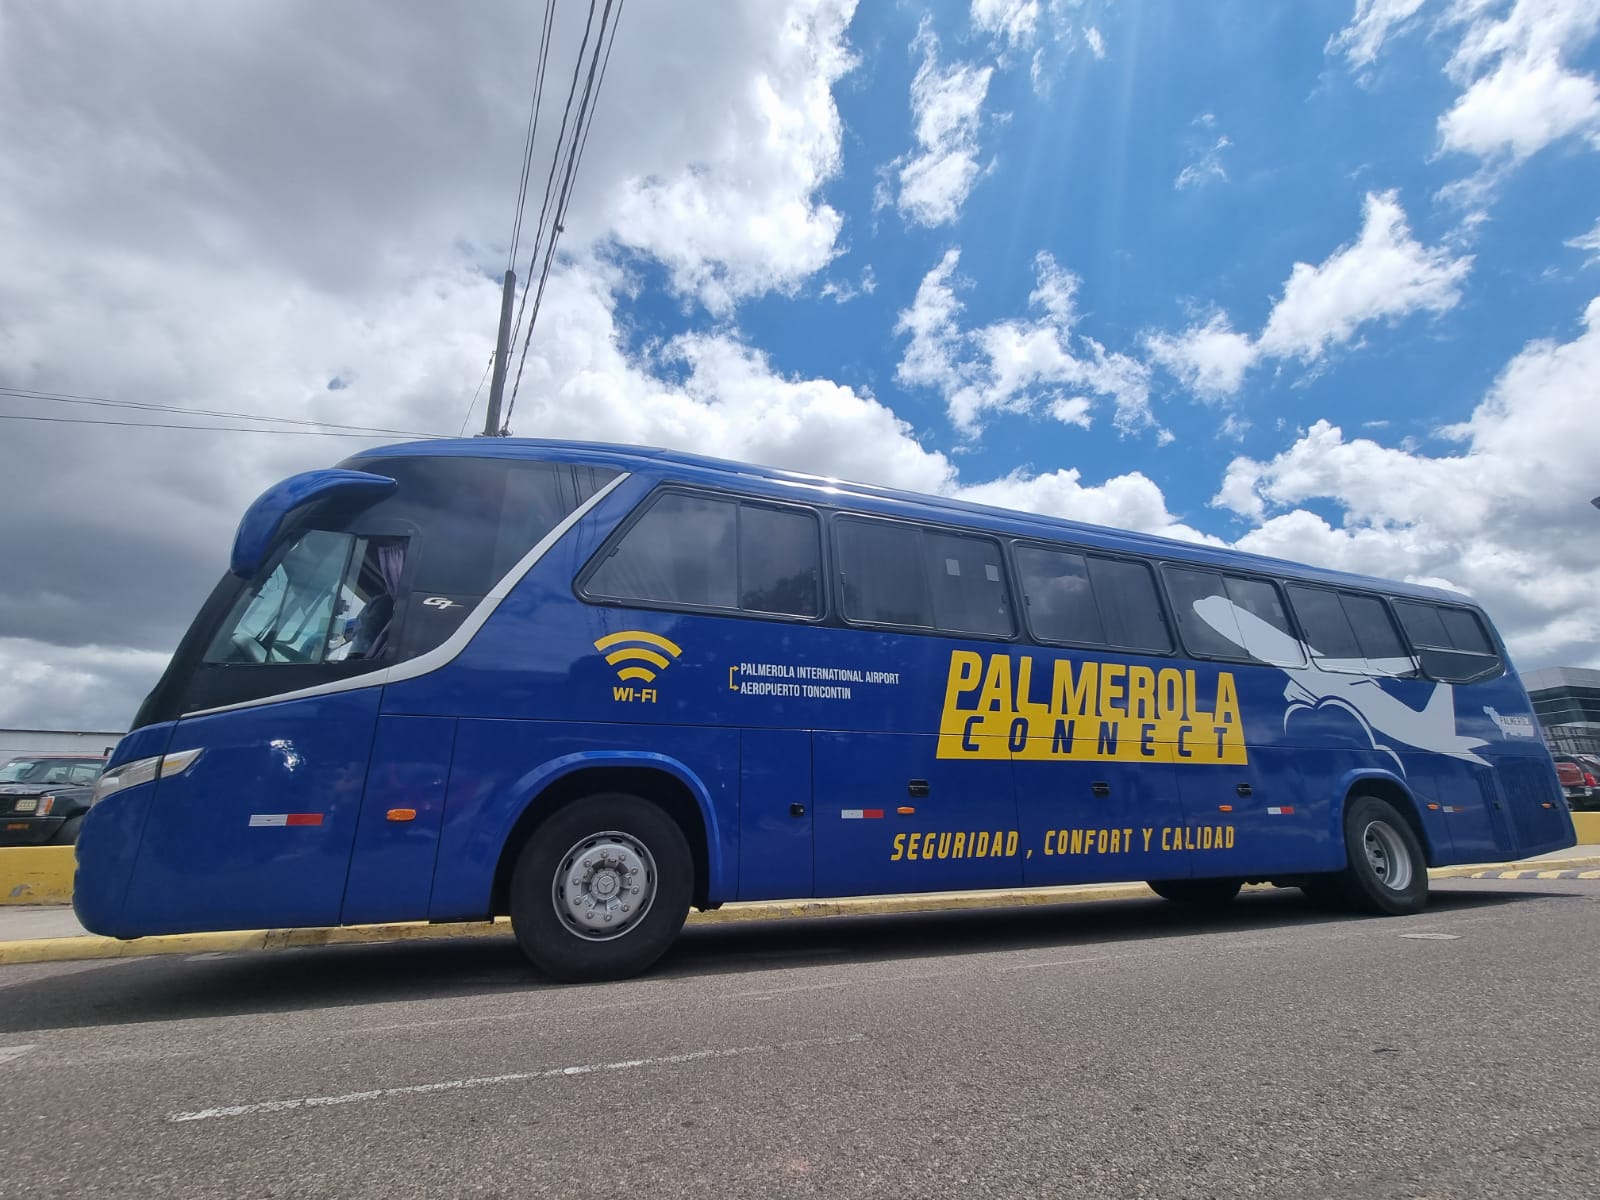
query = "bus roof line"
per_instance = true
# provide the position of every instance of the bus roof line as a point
(1021, 524)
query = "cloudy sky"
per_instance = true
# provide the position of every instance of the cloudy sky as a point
(1319, 280)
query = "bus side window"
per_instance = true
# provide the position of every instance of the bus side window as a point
(968, 583)
(780, 561)
(1452, 644)
(1061, 601)
(881, 565)
(682, 551)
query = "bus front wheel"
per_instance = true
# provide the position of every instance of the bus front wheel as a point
(601, 889)
(1202, 893)
(1387, 871)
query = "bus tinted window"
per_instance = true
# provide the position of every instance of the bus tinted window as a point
(680, 552)
(1452, 643)
(1380, 641)
(882, 569)
(1085, 598)
(898, 574)
(1196, 592)
(1464, 631)
(968, 583)
(1333, 643)
(1126, 594)
(1061, 601)
(1350, 633)
(1232, 617)
(479, 516)
(1269, 637)
(780, 561)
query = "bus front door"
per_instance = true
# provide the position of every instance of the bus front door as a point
(891, 817)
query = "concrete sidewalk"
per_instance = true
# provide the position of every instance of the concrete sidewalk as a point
(52, 933)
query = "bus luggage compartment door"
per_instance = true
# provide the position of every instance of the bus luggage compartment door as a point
(891, 817)
(257, 833)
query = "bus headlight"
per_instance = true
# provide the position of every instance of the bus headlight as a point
(143, 770)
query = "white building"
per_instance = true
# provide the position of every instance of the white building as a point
(56, 741)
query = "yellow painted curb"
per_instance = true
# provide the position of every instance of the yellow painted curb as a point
(1588, 827)
(36, 874)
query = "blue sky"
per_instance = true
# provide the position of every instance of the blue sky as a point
(1317, 279)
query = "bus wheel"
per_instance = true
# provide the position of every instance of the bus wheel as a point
(1203, 893)
(601, 889)
(1387, 872)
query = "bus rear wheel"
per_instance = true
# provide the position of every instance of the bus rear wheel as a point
(1387, 872)
(601, 889)
(1202, 893)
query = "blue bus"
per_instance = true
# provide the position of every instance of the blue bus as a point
(591, 686)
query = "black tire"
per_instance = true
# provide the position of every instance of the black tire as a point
(1201, 893)
(635, 852)
(1387, 871)
(68, 833)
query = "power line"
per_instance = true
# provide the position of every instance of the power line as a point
(549, 183)
(147, 406)
(473, 403)
(211, 428)
(574, 155)
(533, 129)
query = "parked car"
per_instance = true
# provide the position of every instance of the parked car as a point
(54, 819)
(1579, 780)
(43, 797)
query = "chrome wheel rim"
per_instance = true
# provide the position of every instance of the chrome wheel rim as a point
(604, 886)
(1387, 856)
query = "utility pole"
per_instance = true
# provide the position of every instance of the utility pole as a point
(502, 353)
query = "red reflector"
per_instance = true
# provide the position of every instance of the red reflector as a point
(304, 819)
(872, 814)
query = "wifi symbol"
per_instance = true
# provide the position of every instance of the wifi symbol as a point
(630, 659)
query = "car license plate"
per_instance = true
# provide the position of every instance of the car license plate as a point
(28, 805)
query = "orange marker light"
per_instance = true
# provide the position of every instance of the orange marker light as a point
(402, 814)
(905, 810)
(1224, 808)
(1433, 808)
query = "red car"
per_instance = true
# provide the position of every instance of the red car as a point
(1579, 781)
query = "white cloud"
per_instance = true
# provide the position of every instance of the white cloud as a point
(1210, 359)
(947, 104)
(1384, 275)
(1016, 365)
(844, 292)
(1373, 23)
(1096, 43)
(1520, 107)
(1507, 519)
(1589, 243)
(1521, 94)
(1205, 169)
(1015, 22)
(740, 214)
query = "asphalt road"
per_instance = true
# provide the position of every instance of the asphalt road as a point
(1121, 1049)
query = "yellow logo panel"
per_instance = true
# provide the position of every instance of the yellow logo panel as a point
(638, 653)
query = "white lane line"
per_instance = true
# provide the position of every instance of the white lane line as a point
(7, 1053)
(546, 1015)
(482, 1081)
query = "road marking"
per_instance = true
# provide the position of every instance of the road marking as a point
(1432, 937)
(482, 1081)
(7, 1053)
